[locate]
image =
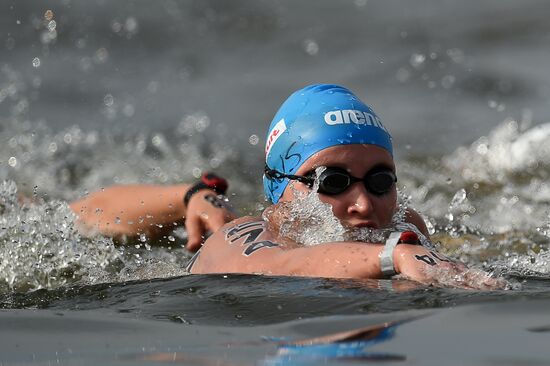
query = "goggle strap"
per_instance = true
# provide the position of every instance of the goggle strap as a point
(275, 174)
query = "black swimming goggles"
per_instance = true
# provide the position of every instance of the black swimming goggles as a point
(333, 181)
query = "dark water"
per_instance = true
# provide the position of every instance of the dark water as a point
(245, 300)
(155, 92)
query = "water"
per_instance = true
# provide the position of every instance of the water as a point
(96, 93)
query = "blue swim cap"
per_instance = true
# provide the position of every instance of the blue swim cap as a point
(312, 119)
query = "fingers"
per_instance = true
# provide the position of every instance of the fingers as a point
(195, 231)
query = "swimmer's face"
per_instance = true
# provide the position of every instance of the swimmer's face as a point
(355, 207)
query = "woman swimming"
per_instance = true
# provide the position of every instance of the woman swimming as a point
(323, 138)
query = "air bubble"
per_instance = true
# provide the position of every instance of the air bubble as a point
(12, 161)
(36, 62)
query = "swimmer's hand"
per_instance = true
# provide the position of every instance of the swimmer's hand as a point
(432, 268)
(206, 212)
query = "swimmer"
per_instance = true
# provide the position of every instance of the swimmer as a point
(323, 138)
(326, 129)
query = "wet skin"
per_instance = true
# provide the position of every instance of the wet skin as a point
(355, 207)
(252, 245)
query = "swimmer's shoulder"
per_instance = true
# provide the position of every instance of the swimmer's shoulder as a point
(233, 244)
(413, 217)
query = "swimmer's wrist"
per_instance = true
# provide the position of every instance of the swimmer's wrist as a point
(200, 194)
(208, 181)
(393, 250)
(387, 262)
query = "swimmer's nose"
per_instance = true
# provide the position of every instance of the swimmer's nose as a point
(360, 201)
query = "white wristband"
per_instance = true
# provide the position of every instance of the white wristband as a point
(386, 256)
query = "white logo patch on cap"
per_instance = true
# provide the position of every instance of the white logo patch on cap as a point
(344, 116)
(275, 133)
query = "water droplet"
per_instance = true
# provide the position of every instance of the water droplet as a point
(48, 15)
(360, 3)
(458, 198)
(448, 81)
(402, 75)
(196, 172)
(101, 55)
(142, 238)
(108, 100)
(311, 47)
(128, 110)
(131, 25)
(36, 62)
(116, 26)
(253, 139)
(417, 60)
(157, 140)
(456, 55)
(52, 24)
(117, 220)
(482, 149)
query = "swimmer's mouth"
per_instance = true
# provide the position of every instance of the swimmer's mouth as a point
(368, 224)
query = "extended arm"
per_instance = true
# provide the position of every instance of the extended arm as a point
(132, 210)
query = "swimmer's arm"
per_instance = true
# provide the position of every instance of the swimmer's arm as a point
(359, 260)
(247, 246)
(415, 262)
(132, 210)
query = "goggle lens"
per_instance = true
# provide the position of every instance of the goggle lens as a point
(334, 181)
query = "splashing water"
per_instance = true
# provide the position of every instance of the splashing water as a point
(40, 247)
(308, 221)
